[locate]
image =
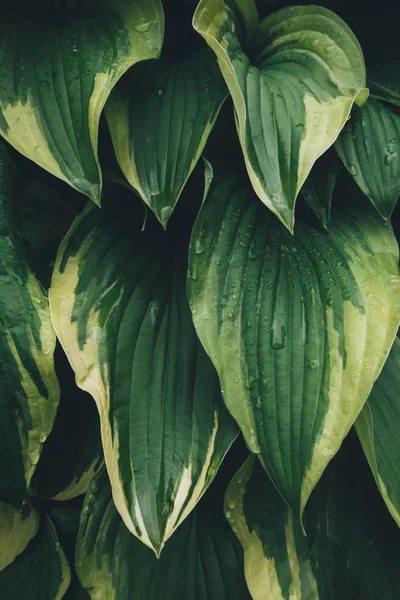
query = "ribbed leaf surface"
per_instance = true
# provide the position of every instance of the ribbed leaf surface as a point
(293, 79)
(119, 307)
(55, 77)
(369, 147)
(202, 561)
(298, 327)
(160, 116)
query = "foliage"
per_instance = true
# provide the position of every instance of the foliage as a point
(199, 300)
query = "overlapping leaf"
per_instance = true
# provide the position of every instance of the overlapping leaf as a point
(160, 116)
(293, 79)
(369, 147)
(55, 78)
(28, 383)
(378, 428)
(17, 528)
(277, 564)
(119, 308)
(202, 561)
(41, 571)
(298, 328)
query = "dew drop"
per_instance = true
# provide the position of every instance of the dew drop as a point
(42, 438)
(353, 169)
(231, 505)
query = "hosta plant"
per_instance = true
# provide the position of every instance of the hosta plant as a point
(199, 300)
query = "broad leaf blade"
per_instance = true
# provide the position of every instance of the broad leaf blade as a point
(369, 147)
(55, 79)
(298, 328)
(160, 116)
(277, 565)
(72, 454)
(119, 307)
(202, 560)
(41, 571)
(28, 382)
(293, 88)
(378, 430)
(17, 528)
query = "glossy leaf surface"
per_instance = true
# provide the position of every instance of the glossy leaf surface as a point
(369, 147)
(120, 311)
(160, 116)
(293, 79)
(56, 75)
(202, 561)
(298, 327)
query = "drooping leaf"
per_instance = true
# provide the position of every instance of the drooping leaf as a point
(298, 328)
(202, 560)
(277, 565)
(72, 454)
(55, 78)
(119, 307)
(362, 528)
(378, 428)
(293, 78)
(160, 116)
(41, 571)
(17, 528)
(369, 147)
(319, 185)
(28, 382)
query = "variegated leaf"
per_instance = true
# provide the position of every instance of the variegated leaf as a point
(298, 328)
(202, 561)
(28, 382)
(119, 307)
(55, 77)
(378, 428)
(160, 116)
(293, 79)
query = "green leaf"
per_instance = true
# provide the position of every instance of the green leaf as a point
(17, 528)
(319, 186)
(160, 116)
(28, 382)
(378, 428)
(293, 79)
(203, 560)
(119, 307)
(72, 454)
(362, 528)
(277, 565)
(55, 78)
(41, 571)
(369, 148)
(298, 328)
